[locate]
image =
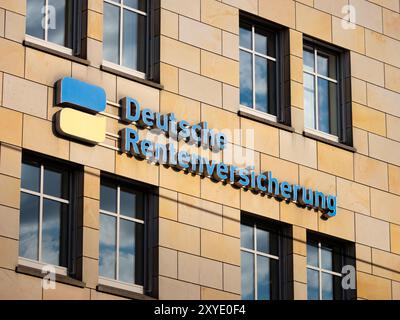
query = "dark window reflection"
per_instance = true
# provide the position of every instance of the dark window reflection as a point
(259, 261)
(56, 17)
(258, 72)
(134, 41)
(121, 260)
(247, 269)
(246, 79)
(41, 217)
(51, 232)
(111, 30)
(60, 22)
(108, 198)
(29, 227)
(35, 16)
(108, 241)
(30, 177)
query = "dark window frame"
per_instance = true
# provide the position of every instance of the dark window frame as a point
(346, 250)
(344, 103)
(75, 38)
(150, 241)
(151, 50)
(75, 173)
(283, 231)
(282, 78)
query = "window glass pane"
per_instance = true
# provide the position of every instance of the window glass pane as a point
(322, 65)
(134, 45)
(312, 255)
(127, 251)
(261, 84)
(131, 204)
(29, 227)
(247, 269)
(246, 79)
(130, 252)
(136, 4)
(312, 285)
(108, 198)
(272, 87)
(333, 109)
(309, 101)
(263, 278)
(35, 10)
(107, 250)
(245, 36)
(139, 254)
(261, 45)
(323, 105)
(267, 242)
(111, 33)
(337, 260)
(246, 236)
(55, 183)
(262, 240)
(30, 177)
(265, 43)
(327, 286)
(326, 258)
(51, 232)
(308, 60)
(326, 64)
(59, 22)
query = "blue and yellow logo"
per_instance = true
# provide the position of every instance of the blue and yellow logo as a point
(82, 101)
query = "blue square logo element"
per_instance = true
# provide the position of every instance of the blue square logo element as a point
(80, 95)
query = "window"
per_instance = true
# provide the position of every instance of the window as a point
(325, 112)
(54, 23)
(45, 215)
(263, 262)
(258, 68)
(125, 33)
(325, 259)
(122, 234)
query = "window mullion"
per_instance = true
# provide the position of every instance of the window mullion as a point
(255, 264)
(117, 235)
(316, 113)
(253, 65)
(121, 23)
(41, 189)
(46, 21)
(319, 271)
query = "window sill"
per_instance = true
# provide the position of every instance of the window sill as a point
(132, 77)
(45, 49)
(260, 119)
(122, 293)
(59, 278)
(328, 141)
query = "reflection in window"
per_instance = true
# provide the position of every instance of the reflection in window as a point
(258, 68)
(124, 41)
(44, 213)
(324, 264)
(121, 233)
(320, 90)
(50, 21)
(259, 262)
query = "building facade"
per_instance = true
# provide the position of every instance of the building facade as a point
(301, 199)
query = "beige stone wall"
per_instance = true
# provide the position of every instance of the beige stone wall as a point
(199, 228)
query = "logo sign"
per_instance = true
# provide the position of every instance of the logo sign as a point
(82, 101)
(78, 120)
